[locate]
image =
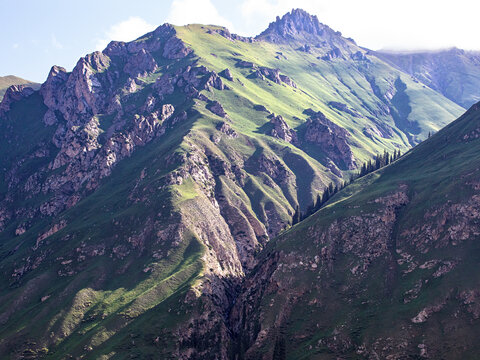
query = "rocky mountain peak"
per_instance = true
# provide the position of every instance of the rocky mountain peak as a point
(295, 24)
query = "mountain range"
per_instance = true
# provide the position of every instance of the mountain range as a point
(147, 200)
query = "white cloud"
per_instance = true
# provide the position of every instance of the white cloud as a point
(55, 43)
(15, 46)
(127, 30)
(409, 24)
(183, 12)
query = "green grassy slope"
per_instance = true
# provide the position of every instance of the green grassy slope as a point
(388, 267)
(321, 82)
(127, 269)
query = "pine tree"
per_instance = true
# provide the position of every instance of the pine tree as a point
(325, 196)
(279, 350)
(363, 170)
(369, 166)
(318, 203)
(296, 216)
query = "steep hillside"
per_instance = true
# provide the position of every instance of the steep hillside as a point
(7, 81)
(455, 73)
(138, 189)
(386, 270)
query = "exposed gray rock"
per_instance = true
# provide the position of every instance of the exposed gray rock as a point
(175, 49)
(227, 129)
(228, 35)
(331, 138)
(140, 64)
(227, 74)
(14, 93)
(164, 85)
(335, 53)
(217, 108)
(50, 118)
(281, 130)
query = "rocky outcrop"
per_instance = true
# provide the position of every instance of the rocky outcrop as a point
(227, 74)
(293, 25)
(14, 93)
(227, 129)
(331, 138)
(262, 72)
(335, 53)
(344, 108)
(103, 89)
(217, 108)
(281, 130)
(175, 49)
(228, 35)
(140, 64)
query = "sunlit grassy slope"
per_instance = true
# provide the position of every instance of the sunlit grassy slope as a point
(92, 289)
(439, 174)
(319, 82)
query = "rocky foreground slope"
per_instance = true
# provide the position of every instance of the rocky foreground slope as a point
(386, 271)
(138, 189)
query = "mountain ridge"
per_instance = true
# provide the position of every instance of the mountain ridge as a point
(141, 186)
(453, 72)
(9, 80)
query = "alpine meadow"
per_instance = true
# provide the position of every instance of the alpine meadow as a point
(198, 194)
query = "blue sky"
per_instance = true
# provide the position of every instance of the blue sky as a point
(37, 34)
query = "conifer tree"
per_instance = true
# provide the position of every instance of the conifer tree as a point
(296, 216)
(325, 196)
(279, 350)
(330, 189)
(318, 203)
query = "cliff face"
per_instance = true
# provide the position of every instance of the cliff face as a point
(385, 271)
(139, 188)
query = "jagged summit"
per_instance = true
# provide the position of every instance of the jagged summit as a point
(297, 23)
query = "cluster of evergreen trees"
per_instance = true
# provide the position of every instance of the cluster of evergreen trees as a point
(379, 162)
(366, 168)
